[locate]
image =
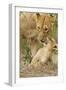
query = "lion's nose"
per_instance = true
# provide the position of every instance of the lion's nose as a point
(55, 46)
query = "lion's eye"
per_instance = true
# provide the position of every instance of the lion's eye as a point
(45, 29)
(38, 27)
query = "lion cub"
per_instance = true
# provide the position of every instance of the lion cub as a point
(43, 54)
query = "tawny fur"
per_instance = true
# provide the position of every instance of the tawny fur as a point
(43, 54)
(34, 27)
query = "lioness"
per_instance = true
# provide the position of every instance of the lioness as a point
(35, 27)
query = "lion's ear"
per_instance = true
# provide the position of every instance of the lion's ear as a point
(53, 18)
(38, 15)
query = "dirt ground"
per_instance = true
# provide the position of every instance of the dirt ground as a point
(45, 70)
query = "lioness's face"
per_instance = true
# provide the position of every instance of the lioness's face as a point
(43, 22)
(43, 25)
